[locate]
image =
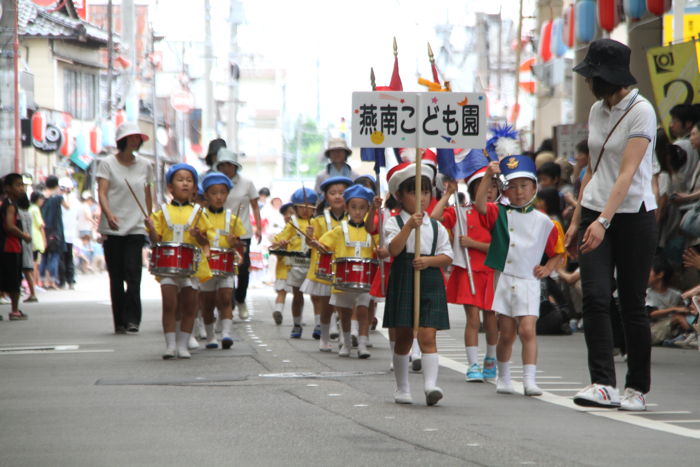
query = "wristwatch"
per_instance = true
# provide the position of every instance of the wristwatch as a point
(604, 222)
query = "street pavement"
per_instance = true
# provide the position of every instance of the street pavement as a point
(72, 393)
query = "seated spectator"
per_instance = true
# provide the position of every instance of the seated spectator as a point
(667, 311)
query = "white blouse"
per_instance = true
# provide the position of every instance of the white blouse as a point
(640, 122)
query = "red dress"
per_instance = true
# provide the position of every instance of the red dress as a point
(458, 290)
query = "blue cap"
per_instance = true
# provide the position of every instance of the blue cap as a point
(358, 191)
(333, 180)
(200, 190)
(181, 166)
(284, 207)
(518, 167)
(216, 178)
(368, 177)
(304, 196)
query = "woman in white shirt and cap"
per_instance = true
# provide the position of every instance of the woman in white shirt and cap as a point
(614, 225)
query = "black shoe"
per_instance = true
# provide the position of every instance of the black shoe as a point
(132, 328)
(120, 330)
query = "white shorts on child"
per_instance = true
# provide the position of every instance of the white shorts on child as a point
(516, 296)
(350, 299)
(316, 289)
(181, 282)
(296, 276)
(216, 283)
(280, 285)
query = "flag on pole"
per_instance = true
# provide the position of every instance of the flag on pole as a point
(459, 164)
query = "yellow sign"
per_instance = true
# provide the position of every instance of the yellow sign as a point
(674, 77)
(691, 27)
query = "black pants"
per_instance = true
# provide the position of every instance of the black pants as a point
(123, 255)
(243, 273)
(628, 247)
(66, 267)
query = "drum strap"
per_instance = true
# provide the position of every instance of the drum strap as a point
(304, 248)
(327, 215)
(225, 230)
(356, 245)
(179, 229)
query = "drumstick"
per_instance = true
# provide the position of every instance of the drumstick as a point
(135, 198)
(235, 221)
(308, 238)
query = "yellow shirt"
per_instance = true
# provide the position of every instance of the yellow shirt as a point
(334, 240)
(320, 226)
(179, 215)
(282, 268)
(218, 223)
(290, 234)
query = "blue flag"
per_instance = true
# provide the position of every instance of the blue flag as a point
(448, 164)
(375, 155)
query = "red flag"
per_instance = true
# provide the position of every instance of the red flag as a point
(436, 78)
(395, 78)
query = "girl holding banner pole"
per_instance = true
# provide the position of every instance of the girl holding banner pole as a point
(418, 253)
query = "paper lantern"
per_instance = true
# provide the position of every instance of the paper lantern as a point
(658, 7)
(95, 140)
(81, 143)
(38, 126)
(119, 118)
(558, 47)
(634, 9)
(568, 26)
(68, 145)
(585, 20)
(107, 131)
(545, 46)
(607, 14)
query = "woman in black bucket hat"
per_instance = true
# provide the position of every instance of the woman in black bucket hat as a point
(614, 228)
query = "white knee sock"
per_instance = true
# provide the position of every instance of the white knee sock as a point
(182, 339)
(415, 349)
(226, 327)
(210, 331)
(347, 339)
(392, 344)
(317, 320)
(362, 343)
(334, 322)
(170, 340)
(325, 333)
(401, 373)
(490, 351)
(431, 364)
(278, 307)
(504, 371)
(529, 372)
(472, 354)
(297, 320)
(354, 327)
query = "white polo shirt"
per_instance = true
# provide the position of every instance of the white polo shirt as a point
(640, 122)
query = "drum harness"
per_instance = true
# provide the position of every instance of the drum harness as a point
(225, 230)
(179, 229)
(356, 245)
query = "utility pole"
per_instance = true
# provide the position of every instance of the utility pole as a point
(234, 77)
(518, 53)
(208, 118)
(9, 125)
(129, 40)
(110, 58)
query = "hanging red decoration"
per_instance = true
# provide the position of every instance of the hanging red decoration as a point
(569, 26)
(95, 140)
(545, 46)
(38, 126)
(68, 145)
(119, 117)
(607, 14)
(658, 7)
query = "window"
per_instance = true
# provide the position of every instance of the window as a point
(81, 94)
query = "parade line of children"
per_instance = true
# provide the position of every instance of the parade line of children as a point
(333, 257)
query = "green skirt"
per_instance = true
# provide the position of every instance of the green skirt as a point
(398, 309)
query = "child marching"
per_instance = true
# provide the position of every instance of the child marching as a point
(294, 239)
(520, 235)
(435, 253)
(217, 292)
(281, 271)
(315, 285)
(182, 224)
(353, 247)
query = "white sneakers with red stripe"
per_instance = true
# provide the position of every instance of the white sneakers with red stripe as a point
(598, 395)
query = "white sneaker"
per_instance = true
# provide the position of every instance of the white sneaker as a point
(242, 310)
(532, 390)
(192, 344)
(362, 352)
(504, 388)
(633, 400)
(403, 397)
(432, 396)
(325, 346)
(169, 354)
(212, 343)
(344, 351)
(183, 353)
(598, 395)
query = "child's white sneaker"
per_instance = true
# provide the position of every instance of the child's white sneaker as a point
(503, 387)
(192, 343)
(344, 351)
(532, 389)
(403, 397)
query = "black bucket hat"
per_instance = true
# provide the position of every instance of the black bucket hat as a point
(609, 60)
(214, 146)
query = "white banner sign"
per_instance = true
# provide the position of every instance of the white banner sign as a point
(418, 119)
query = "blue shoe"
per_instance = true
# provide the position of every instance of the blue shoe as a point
(296, 332)
(489, 368)
(474, 374)
(317, 332)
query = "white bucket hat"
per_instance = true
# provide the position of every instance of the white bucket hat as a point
(226, 155)
(130, 128)
(338, 143)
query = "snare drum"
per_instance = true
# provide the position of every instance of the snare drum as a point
(222, 262)
(324, 266)
(354, 274)
(174, 259)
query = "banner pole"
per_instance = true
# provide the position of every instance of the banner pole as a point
(416, 254)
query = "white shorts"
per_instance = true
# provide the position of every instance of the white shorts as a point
(181, 282)
(350, 299)
(216, 283)
(280, 285)
(296, 276)
(315, 288)
(516, 296)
